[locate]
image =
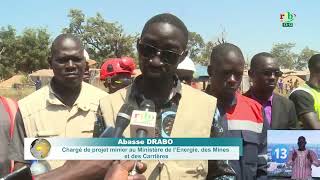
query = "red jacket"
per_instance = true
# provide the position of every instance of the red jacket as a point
(245, 115)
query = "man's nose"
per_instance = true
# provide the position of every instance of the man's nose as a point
(70, 63)
(232, 79)
(273, 75)
(156, 61)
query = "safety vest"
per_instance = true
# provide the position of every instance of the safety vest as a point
(314, 93)
(245, 115)
(193, 119)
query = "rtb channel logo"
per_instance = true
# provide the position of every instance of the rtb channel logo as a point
(287, 19)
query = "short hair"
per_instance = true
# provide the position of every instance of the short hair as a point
(62, 37)
(222, 49)
(255, 59)
(313, 61)
(167, 18)
(302, 137)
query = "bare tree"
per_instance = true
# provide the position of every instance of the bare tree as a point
(222, 36)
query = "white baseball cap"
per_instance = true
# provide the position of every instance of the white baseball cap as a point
(187, 64)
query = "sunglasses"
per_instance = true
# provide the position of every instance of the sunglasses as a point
(166, 56)
(122, 81)
(276, 73)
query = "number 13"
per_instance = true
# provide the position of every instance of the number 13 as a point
(281, 153)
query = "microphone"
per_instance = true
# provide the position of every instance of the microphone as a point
(107, 133)
(123, 119)
(122, 122)
(143, 121)
(143, 124)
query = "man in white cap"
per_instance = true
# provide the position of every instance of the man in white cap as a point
(89, 62)
(185, 70)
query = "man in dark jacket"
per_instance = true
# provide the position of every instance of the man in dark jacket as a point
(264, 73)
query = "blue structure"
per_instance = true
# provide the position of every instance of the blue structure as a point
(201, 73)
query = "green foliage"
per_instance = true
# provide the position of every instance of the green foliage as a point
(303, 58)
(29, 50)
(102, 39)
(283, 52)
(33, 50)
(25, 79)
(24, 53)
(7, 49)
(195, 44)
(204, 58)
(290, 60)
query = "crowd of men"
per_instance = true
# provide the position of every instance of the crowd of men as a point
(69, 107)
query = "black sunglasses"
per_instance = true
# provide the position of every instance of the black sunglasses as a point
(126, 81)
(166, 56)
(276, 73)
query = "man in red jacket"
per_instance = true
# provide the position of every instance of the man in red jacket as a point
(236, 116)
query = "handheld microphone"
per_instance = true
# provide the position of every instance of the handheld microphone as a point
(143, 124)
(143, 121)
(123, 119)
(107, 133)
(122, 122)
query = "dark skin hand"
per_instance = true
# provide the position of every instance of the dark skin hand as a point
(120, 171)
(78, 170)
(310, 120)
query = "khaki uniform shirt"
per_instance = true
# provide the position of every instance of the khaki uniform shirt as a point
(193, 119)
(44, 115)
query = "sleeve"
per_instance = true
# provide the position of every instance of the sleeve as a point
(262, 151)
(293, 119)
(303, 102)
(16, 145)
(314, 158)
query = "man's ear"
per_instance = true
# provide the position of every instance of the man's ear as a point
(209, 70)
(250, 73)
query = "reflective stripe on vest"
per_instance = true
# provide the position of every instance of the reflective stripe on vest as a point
(245, 115)
(315, 95)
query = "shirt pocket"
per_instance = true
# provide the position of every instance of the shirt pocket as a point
(86, 127)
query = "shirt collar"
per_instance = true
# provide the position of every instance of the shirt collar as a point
(137, 96)
(82, 101)
(222, 105)
(268, 102)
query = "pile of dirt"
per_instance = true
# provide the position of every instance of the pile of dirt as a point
(16, 79)
(293, 79)
(43, 72)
